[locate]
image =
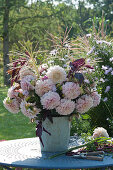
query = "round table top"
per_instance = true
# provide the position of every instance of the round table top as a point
(26, 153)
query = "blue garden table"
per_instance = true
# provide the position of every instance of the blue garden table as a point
(26, 153)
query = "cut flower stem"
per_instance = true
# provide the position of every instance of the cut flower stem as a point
(98, 140)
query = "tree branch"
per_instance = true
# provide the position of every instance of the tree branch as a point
(29, 17)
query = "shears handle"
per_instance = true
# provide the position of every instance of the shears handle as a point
(94, 158)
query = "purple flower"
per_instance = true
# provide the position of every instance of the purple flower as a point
(105, 99)
(111, 59)
(44, 78)
(107, 89)
(106, 72)
(91, 51)
(104, 67)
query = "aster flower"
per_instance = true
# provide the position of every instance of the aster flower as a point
(105, 99)
(43, 87)
(96, 98)
(66, 107)
(50, 100)
(29, 109)
(100, 132)
(28, 83)
(107, 89)
(71, 90)
(83, 104)
(12, 105)
(57, 74)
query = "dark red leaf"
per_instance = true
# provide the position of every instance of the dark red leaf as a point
(88, 66)
(39, 131)
(75, 65)
(46, 131)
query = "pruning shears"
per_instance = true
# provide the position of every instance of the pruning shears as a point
(97, 155)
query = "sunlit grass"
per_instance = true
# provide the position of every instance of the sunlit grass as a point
(13, 126)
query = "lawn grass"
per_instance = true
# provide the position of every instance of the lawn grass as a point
(13, 126)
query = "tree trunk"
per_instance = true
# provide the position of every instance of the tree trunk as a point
(6, 42)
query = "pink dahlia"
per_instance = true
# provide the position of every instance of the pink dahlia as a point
(100, 132)
(96, 98)
(28, 83)
(12, 105)
(66, 107)
(43, 87)
(84, 103)
(71, 90)
(50, 100)
(12, 92)
(25, 71)
(29, 109)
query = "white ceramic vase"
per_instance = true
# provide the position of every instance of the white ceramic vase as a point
(60, 134)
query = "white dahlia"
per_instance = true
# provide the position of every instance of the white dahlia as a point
(84, 103)
(57, 74)
(43, 87)
(12, 105)
(50, 100)
(71, 90)
(100, 132)
(66, 107)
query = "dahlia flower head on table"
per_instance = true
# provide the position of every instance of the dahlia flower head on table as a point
(54, 91)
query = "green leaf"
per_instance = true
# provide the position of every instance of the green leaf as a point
(85, 116)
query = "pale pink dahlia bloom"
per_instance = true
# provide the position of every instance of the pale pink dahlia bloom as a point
(71, 90)
(12, 105)
(28, 83)
(96, 98)
(12, 92)
(84, 103)
(50, 100)
(29, 109)
(100, 132)
(43, 87)
(24, 71)
(57, 74)
(66, 107)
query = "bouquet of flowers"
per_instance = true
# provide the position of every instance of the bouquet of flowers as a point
(41, 92)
